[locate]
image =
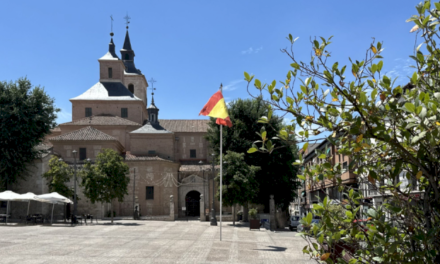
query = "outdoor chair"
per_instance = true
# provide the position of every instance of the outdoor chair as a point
(89, 216)
(77, 219)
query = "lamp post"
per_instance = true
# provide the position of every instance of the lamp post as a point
(75, 204)
(213, 218)
(204, 194)
(134, 187)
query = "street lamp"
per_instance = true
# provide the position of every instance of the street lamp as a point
(204, 194)
(75, 204)
(135, 212)
(213, 218)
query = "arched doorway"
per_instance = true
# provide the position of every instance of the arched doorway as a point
(192, 203)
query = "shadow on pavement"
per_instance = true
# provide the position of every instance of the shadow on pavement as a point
(273, 248)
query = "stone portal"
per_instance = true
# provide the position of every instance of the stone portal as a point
(192, 202)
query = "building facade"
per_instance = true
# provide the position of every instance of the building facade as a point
(168, 159)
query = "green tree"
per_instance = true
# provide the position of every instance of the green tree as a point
(277, 175)
(26, 115)
(57, 176)
(391, 133)
(107, 179)
(239, 184)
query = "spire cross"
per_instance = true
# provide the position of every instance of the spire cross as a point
(127, 20)
(152, 81)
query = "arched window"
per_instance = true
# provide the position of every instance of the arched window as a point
(131, 88)
(110, 73)
(127, 57)
(152, 118)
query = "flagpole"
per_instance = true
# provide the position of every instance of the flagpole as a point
(221, 178)
(221, 172)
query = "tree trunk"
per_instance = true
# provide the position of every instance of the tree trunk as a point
(111, 210)
(233, 215)
(245, 212)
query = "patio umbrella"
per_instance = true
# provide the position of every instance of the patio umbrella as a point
(53, 198)
(27, 197)
(8, 196)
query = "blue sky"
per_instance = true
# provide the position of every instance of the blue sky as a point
(190, 47)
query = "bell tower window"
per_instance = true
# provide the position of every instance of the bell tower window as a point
(88, 111)
(127, 57)
(110, 73)
(131, 88)
(124, 112)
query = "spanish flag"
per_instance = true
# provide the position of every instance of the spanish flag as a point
(216, 107)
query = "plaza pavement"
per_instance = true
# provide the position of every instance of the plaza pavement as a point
(143, 242)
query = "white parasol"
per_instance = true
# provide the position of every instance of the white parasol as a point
(8, 196)
(53, 198)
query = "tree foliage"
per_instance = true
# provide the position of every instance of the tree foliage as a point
(277, 175)
(387, 130)
(26, 115)
(107, 179)
(239, 184)
(57, 176)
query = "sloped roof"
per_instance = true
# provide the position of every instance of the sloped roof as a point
(130, 156)
(182, 125)
(84, 134)
(149, 128)
(108, 91)
(102, 121)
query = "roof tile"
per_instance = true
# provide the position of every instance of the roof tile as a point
(86, 133)
(182, 125)
(102, 121)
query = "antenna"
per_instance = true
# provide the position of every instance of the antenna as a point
(127, 20)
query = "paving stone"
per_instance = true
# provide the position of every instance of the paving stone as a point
(132, 242)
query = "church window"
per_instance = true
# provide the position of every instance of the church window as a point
(88, 111)
(127, 57)
(150, 193)
(110, 73)
(124, 112)
(131, 88)
(82, 153)
(152, 118)
(192, 153)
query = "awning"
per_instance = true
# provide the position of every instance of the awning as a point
(9, 196)
(53, 198)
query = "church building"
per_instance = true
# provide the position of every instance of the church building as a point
(168, 158)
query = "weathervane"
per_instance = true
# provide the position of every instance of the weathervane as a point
(152, 81)
(111, 22)
(127, 20)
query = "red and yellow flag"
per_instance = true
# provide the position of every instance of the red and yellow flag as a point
(216, 107)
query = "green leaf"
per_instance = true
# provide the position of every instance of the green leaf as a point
(371, 212)
(301, 177)
(410, 107)
(247, 77)
(257, 84)
(374, 94)
(305, 146)
(309, 218)
(379, 66)
(423, 113)
(322, 156)
(252, 150)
